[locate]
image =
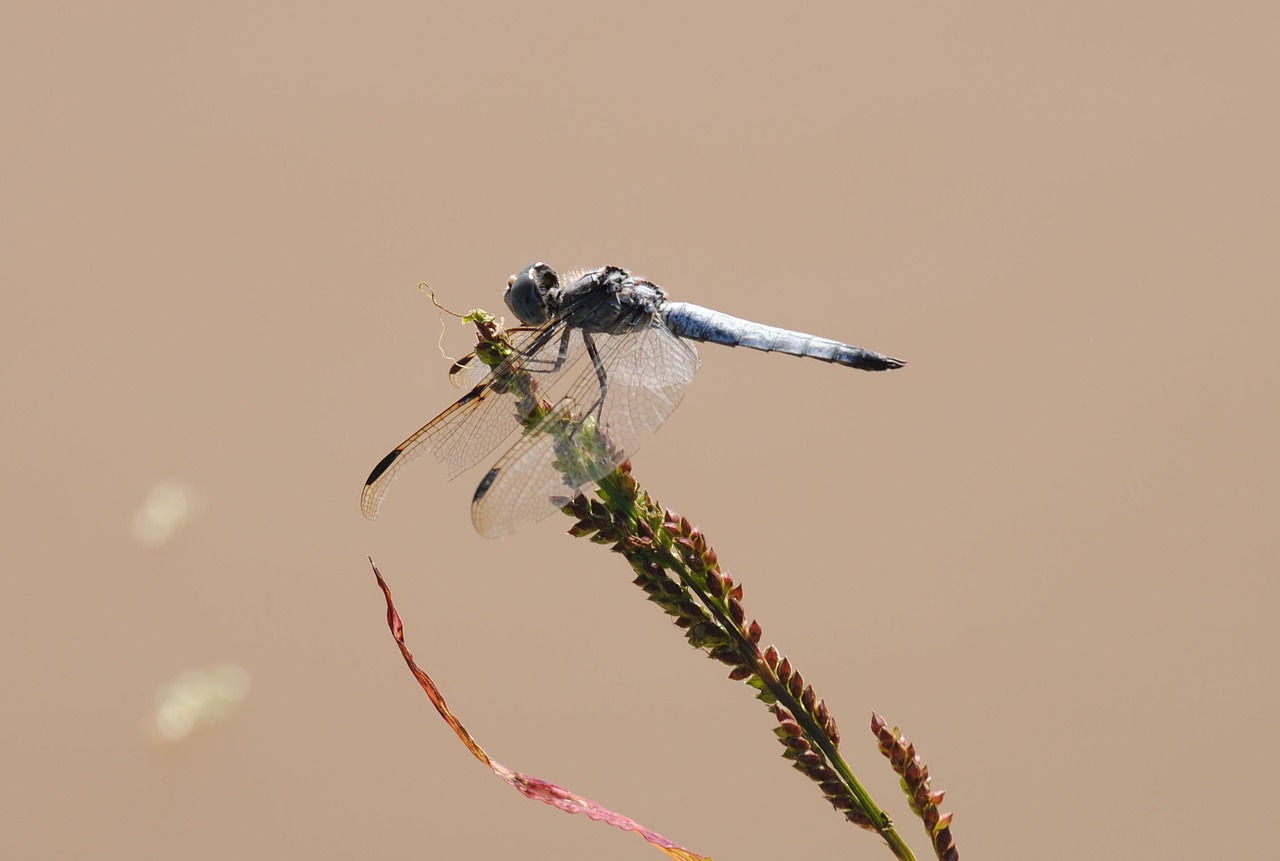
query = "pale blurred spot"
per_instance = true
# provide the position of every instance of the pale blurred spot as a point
(198, 697)
(169, 506)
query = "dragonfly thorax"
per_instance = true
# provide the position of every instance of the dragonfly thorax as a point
(608, 299)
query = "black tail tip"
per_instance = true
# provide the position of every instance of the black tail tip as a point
(877, 362)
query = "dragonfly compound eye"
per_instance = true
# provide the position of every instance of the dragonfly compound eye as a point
(527, 294)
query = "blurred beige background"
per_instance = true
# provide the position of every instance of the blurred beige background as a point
(1046, 548)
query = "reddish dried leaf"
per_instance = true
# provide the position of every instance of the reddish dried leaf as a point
(529, 787)
(437, 698)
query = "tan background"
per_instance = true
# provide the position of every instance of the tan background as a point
(1046, 549)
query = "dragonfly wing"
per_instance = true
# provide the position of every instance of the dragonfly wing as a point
(647, 373)
(585, 436)
(481, 419)
(433, 436)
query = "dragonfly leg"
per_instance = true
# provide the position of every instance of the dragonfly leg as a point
(550, 367)
(589, 443)
(598, 406)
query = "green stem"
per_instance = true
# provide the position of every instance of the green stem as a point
(619, 499)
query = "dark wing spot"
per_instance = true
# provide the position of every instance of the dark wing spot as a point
(485, 483)
(382, 466)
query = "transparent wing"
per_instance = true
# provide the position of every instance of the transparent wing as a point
(587, 434)
(486, 415)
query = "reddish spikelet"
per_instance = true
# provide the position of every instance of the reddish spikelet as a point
(830, 728)
(915, 782)
(697, 541)
(706, 634)
(787, 722)
(727, 654)
(691, 610)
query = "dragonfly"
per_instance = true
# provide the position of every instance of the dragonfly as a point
(602, 357)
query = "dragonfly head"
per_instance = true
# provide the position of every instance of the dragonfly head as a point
(529, 294)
